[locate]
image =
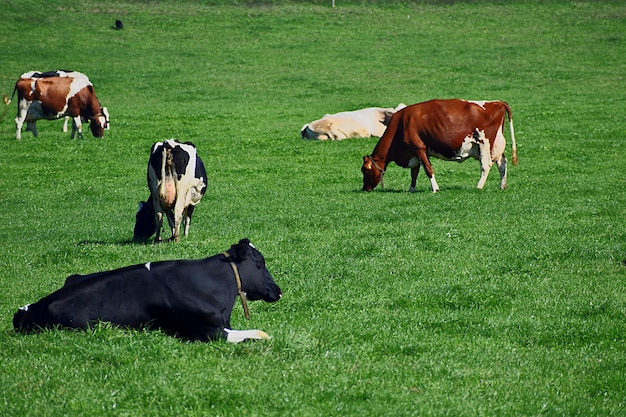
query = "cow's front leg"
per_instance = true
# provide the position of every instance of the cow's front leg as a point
(414, 164)
(77, 124)
(158, 219)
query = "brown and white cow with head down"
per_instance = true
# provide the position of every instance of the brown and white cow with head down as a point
(452, 130)
(55, 94)
(78, 121)
(363, 123)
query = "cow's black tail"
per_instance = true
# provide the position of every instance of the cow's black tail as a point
(8, 100)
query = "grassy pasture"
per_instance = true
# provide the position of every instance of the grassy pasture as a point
(461, 303)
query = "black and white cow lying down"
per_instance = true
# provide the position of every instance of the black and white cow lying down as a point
(190, 299)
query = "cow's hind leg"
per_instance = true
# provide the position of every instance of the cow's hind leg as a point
(501, 162)
(484, 152)
(187, 219)
(174, 226)
(159, 224)
(176, 229)
(158, 219)
(22, 111)
(180, 214)
(18, 128)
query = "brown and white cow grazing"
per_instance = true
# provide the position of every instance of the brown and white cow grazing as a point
(78, 121)
(452, 130)
(55, 94)
(363, 123)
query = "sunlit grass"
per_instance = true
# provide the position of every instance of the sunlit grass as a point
(464, 302)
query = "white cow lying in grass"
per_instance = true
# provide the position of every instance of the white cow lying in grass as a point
(363, 123)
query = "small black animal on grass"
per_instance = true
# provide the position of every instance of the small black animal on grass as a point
(118, 25)
(190, 299)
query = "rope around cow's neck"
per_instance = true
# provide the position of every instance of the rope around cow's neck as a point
(242, 294)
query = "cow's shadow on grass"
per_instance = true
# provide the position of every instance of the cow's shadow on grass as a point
(105, 243)
(417, 191)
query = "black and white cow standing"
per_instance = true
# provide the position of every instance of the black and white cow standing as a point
(177, 181)
(190, 299)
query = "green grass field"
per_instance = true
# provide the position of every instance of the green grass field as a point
(461, 303)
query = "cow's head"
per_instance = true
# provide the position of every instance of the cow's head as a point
(256, 280)
(307, 132)
(372, 173)
(321, 129)
(98, 123)
(145, 225)
(23, 319)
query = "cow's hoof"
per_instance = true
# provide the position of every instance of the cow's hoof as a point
(237, 336)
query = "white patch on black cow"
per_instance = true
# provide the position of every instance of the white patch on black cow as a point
(237, 336)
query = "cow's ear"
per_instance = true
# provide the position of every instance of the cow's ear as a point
(387, 116)
(238, 251)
